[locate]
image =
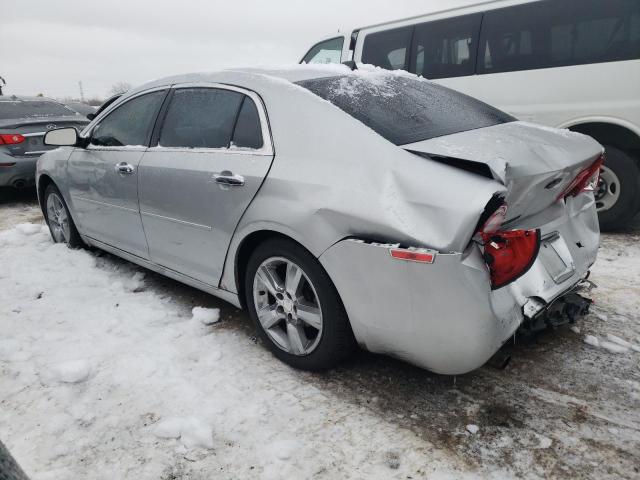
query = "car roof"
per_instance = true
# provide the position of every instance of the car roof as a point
(240, 76)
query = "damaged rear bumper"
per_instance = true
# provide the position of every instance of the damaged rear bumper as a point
(444, 316)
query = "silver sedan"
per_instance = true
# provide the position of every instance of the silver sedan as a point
(339, 207)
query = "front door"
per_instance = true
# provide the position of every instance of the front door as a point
(103, 178)
(213, 152)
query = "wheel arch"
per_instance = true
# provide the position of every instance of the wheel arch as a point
(244, 250)
(44, 180)
(611, 131)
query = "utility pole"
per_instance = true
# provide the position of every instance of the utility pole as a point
(2, 84)
(81, 91)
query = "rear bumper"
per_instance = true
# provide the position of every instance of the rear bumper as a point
(444, 316)
(23, 173)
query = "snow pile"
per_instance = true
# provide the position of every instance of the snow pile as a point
(206, 316)
(472, 429)
(95, 359)
(73, 371)
(612, 344)
(191, 431)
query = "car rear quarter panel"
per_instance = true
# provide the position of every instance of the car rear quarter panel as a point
(333, 177)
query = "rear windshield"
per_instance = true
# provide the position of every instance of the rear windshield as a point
(403, 109)
(16, 109)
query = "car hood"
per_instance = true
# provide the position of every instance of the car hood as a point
(535, 163)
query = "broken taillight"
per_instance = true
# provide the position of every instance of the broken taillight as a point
(586, 181)
(495, 220)
(510, 254)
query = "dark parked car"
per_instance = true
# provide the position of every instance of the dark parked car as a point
(23, 123)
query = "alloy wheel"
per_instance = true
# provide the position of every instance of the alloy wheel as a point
(58, 219)
(287, 306)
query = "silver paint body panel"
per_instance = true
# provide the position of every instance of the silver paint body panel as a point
(323, 178)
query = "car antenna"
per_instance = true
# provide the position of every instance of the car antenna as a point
(351, 64)
(2, 84)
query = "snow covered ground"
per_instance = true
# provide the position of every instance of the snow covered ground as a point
(110, 371)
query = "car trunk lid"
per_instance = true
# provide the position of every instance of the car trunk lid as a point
(33, 131)
(533, 162)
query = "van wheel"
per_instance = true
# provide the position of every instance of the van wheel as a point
(296, 307)
(59, 220)
(618, 193)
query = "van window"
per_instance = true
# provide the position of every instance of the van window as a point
(446, 48)
(556, 33)
(329, 51)
(405, 109)
(388, 49)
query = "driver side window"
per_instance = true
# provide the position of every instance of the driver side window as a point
(129, 124)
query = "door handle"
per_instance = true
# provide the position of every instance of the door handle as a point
(228, 179)
(124, 168)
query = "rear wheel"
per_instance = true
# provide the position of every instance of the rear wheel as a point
(618, 193)
(296, 307)
(59, 220)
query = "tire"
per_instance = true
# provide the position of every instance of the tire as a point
(311, 348)
(620, 178)
(61, 226)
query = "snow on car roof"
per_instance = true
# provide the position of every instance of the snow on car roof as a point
(289, 73)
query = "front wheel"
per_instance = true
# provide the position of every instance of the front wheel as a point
(618, 193)
(296, 307)
(58, 218)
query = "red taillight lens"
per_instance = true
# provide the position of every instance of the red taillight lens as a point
(11, 138)
(586, 181)
(509, 255)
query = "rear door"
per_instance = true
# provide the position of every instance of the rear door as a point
(213, 150)
(103, 178)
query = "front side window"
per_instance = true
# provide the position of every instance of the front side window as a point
(200, 118)
(329, 51)
(557, 33)
(388, 49)
(446, 48)
(403, 109)
(129, 124)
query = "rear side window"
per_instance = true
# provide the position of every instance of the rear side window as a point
(30, 109)
(388, 49)
(403, 109)
(248, 132)
(329, 51)
(556, 33)
(200, 118)
(130, 124)
(446, 48)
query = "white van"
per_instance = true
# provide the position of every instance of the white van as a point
(564, 63)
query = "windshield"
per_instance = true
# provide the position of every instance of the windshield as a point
(403, 109)
(10, 109)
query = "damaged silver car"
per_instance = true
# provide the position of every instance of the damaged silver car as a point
(339, 207)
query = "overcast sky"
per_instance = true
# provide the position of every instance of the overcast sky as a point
(47, 46)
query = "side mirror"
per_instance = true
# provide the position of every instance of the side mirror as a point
(61, 137)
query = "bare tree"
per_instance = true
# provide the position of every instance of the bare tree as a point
(120, 87)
